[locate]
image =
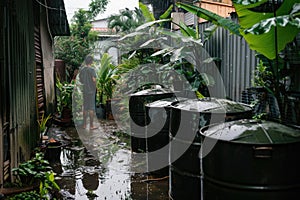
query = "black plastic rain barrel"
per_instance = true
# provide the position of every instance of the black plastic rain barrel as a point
(137, 111)
(157, 134)
(251, 160)
(187, 118)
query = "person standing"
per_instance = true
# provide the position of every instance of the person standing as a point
(87, 77)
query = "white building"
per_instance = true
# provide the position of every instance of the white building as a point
(106, 38)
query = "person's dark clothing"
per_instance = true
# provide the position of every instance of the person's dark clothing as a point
(86, 78)
(89, 87)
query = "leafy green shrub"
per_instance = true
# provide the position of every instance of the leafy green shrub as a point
(43, 122)
(64, 97)
(36, 170)
(32, 195)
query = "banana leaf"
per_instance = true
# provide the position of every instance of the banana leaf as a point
(258, 28)
(146, 12)
(167, 13)
(187, 31)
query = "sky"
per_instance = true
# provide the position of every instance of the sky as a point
(113, 7)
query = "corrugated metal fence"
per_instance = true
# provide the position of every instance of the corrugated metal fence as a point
(237, 61)
(18, 97)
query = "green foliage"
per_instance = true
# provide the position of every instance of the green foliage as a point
(149, 16)
(258, 28)
(43, 122)
(64, 97)
(167, 13)
(146, 12)
(127, 65)
(106, 77)
(96, 7)
(268, 29)
(184, 55)
(31, 195)
(48, 184)
(126, 20)
(36, 169)
(260, 116)
(73, 49)
(264, 26)
(151, 23)
(263, 77)
(32, 170)
(154, 47)
(187, 31)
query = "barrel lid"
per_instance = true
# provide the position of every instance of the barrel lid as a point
(151, 91)
(212, 105)
(252, 132)
(165, 102)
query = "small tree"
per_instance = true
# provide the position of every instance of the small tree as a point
(126, 20)
(266, 25)
(73, 49)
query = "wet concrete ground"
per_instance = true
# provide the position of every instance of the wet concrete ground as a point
(97, 165)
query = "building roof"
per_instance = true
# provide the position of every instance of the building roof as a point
(58, 21)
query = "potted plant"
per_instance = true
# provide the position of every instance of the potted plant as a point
(106, 79)
(38, 172)
(64, 100)
(43, 122)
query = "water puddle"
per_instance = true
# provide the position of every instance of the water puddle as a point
(101, 170)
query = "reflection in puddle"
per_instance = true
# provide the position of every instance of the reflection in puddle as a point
(83, 177)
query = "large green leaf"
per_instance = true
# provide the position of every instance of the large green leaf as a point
(167, 13)
(187, 31)
(210, 16)
(258, 28)
(151, 23)
(146, 12)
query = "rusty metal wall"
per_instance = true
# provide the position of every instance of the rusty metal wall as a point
(237, 61)
(18, 96)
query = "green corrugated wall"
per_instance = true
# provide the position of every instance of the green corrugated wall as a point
(18, 92)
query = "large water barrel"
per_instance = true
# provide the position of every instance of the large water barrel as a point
(137, 111)
(186, 119)
(251, 160)
(157, 134)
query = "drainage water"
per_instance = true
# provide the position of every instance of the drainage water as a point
(103, 171)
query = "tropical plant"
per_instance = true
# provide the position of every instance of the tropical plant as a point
(127, 20)
(268, 27)
(106, 77)
(263, 77)
(149, 17)
(260, 23)
(31, 195)
(43, 122)
(36, 169)
(154, 46)
(73, 49)
(64, 97)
